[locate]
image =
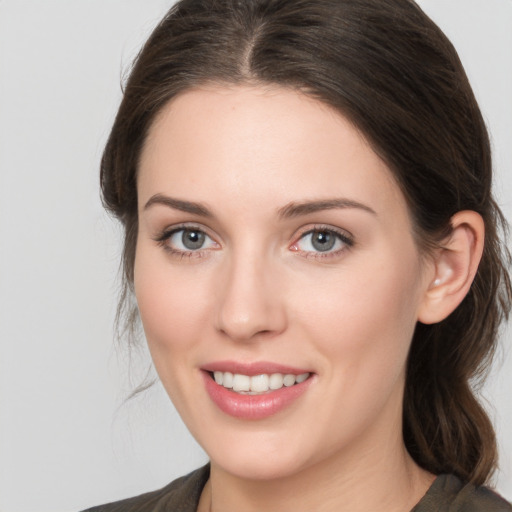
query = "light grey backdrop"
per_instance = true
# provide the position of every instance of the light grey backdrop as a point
(66, 440)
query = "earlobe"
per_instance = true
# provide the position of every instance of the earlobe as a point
(455, 264)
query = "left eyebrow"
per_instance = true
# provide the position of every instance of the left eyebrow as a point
(307, 207)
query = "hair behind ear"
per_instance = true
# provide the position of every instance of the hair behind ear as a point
(446, 429)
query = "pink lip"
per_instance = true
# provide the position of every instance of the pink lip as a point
(253, 407)
(251, 369)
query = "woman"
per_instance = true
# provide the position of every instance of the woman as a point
(313, 245)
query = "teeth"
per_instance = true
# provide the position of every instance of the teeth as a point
(289, 380)
(276, 381)
(227, 380)
(241, 382)
(257, 383)
(301, 378)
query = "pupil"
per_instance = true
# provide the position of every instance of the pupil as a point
(323, 241)
(192, 239)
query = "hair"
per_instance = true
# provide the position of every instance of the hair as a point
(385, 66)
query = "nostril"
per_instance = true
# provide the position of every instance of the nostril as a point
(249, 309)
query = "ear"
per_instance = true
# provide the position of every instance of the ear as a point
(454, 267)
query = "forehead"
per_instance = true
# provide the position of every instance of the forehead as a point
(265, 144)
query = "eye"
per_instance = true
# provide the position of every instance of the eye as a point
(322, 240)
(186, 240)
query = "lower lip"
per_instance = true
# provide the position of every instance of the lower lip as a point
(253, 407)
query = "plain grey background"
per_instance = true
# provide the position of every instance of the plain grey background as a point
(66, 439)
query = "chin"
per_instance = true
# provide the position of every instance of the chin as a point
(262, 456)
(259, 467)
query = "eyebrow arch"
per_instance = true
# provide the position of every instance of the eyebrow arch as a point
(307, 207)
(178, 204)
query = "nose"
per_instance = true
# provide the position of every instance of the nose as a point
(251, 299)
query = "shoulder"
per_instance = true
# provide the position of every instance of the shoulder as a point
(449, 494)
(181, 495)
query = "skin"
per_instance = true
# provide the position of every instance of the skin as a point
(258, 291)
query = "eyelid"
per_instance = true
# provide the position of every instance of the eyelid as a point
(342, 234)
(165, 235)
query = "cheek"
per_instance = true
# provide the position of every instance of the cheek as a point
(364, 320)
(171, 306)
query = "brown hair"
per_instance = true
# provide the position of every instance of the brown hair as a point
(389, 69)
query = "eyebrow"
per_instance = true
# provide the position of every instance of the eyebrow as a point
(179, 204)
(308, 207)
(289, 211)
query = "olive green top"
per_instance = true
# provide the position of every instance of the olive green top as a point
(447, 494)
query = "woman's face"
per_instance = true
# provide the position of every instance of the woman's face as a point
(274, 242)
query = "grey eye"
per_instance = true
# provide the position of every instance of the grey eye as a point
(192, 239)
(323, 241)
(188, 240)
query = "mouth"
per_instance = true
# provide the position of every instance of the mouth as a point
(255, 391)
(257, 384)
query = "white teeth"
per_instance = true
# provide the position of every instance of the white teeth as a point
(227, 380)
(289, 380)
(276, 381)
(241, 382)
(257, 383)
(301, 378)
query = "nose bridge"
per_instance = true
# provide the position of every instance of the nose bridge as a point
(251, 301)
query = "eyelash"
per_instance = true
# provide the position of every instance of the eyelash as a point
(346, 239)
(163, 240)
(341, 236)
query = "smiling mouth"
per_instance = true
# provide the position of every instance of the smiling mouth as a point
(257, 384)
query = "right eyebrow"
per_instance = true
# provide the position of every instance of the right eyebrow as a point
(178, 204)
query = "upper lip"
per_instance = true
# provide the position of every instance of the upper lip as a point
(254, 368)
